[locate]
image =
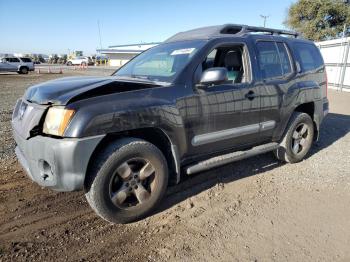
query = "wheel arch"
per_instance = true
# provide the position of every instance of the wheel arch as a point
(309, 108)
(157, 137)
(22, 66)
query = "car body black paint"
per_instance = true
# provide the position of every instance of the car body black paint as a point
(182, 111)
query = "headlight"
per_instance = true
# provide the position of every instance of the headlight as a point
(56, 121)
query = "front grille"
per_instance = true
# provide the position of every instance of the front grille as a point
(26, 117)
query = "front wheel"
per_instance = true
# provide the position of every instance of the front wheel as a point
(298, 139)
(127, 180)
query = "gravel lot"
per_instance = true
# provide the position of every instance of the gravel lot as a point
(257, 209)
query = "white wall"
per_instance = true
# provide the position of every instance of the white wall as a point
(336, 56)
(119, 59)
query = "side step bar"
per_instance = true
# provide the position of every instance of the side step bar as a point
(231, 157)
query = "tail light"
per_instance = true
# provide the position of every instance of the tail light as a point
(325, 74)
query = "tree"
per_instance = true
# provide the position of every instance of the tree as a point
(319, 19)
(41, 59)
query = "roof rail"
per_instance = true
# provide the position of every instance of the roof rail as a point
(226, 30)
(255, 29)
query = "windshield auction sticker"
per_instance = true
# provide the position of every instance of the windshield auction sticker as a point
(182, 51)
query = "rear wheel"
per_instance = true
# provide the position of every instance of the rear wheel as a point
(127, 180)
(69, 63)
(298, 139)
(23, 70)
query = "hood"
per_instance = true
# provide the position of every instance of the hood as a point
(64, 90)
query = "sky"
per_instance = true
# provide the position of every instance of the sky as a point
(57, 27)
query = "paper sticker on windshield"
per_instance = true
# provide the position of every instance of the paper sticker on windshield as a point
(182, 51)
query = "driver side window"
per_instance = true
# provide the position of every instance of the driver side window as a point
(231, 57)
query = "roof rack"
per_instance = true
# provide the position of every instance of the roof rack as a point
(254, 29)
(227, 30)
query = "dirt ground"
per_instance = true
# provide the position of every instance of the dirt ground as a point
(254, 210)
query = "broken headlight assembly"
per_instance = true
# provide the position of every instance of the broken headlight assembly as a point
(57, 120)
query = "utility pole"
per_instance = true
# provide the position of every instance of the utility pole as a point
(99, 33)
(265, 18)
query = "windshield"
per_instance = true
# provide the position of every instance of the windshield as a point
(161, 63)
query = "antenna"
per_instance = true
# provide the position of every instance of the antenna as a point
(99, 33)
(265, 18)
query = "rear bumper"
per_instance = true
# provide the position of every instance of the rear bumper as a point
(59, 164)
(321, 111)
(325, 107)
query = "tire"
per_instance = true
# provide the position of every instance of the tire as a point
(297, 140)
(23, 70)
(69, 63)
(117, 197)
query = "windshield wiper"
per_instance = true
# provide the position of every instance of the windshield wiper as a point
(144, 78)
(141, 77)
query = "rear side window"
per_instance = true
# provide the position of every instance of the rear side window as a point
(273, 59)
(309, 56)
(13, 60)
(26, 60)
(284, 57)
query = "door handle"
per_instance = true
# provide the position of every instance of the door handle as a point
(250, 95)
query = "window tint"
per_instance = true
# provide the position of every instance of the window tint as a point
(26, 59)
(14, 60)
(269, 61)
(309, 56)
(284, 57)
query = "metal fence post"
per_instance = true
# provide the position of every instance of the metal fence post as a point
(344, 66)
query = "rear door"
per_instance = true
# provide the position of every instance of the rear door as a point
(276, 70)
(15, 61)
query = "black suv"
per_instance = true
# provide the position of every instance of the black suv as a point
(201, 99)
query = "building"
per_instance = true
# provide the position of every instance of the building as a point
(120, 54)
(336, 56)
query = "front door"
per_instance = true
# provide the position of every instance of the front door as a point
(5, 65)
(13, 63)
(228, 113)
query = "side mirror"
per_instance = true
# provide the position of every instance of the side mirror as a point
(214, 76)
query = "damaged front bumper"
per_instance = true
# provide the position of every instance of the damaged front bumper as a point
(57, 163)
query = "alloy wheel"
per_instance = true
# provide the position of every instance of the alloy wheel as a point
(132, 183)
(300, 138)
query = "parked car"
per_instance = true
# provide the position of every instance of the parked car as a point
(101, 60)
(21, 65)
(80, 60)
(202, 99)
